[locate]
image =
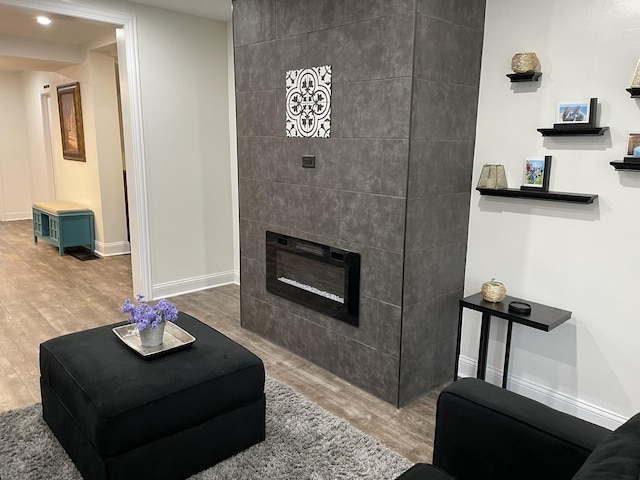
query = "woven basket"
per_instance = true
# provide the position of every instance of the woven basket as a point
(524, 62)
(493, 291)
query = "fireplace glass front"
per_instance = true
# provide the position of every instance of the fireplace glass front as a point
(320, 277)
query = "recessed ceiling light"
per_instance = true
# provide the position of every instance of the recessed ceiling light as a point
(43, 20)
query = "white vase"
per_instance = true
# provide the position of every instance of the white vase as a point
(152, 337)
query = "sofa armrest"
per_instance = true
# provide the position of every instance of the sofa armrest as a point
(486, 432)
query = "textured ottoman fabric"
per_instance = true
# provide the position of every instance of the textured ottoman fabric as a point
(106, 403)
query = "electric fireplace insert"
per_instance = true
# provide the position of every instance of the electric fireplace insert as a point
(320, 277)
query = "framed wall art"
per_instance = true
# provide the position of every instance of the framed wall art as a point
(537, 170)
(581, 112)
(70, 111)
(633, 146)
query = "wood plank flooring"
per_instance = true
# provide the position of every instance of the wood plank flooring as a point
(43, 295)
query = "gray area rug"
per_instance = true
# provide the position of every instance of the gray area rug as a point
(303, 442)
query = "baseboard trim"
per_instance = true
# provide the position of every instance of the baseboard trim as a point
(592, 413)
(195, 284)
(111, 249)
(10, 217)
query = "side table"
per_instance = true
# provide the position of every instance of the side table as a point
(542, 317)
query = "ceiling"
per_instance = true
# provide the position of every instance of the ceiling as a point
(18, 27)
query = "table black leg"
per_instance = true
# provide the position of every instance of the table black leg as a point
(457, 357)
(505, 371)
(484, 346)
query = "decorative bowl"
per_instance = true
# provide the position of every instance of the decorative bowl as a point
(524, 62)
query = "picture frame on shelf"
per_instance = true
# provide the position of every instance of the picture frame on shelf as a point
(536, 173)
(576, 113)
(632, 153)
(71, 128)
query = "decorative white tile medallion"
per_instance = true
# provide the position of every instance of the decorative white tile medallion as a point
(309, 102)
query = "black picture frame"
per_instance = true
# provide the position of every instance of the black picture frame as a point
(71, 127)
(536, 173)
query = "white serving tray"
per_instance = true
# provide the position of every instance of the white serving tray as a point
(175, 338)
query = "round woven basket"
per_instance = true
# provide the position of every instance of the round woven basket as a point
(524, 62)
(493, 291)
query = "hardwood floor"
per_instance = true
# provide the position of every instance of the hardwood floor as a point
(43, 295)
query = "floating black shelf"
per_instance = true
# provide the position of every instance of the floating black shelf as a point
(634, 92)
(564, 132)
(552, 196)
(524, 77)
(625, 165)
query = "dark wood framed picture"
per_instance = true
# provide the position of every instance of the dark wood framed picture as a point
(70, 110)
(537, 170)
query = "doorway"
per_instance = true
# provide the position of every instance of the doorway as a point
(127, 54)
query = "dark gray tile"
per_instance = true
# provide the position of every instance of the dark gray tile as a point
(446, 308)
(252, 239)
(263, 319)
(294, 17)
(358, 10)
(417, 370)
(421, 276)
(469, 13)
(376, 109)
(357, 54)
(373, 220)
(451, 260)
(381, 275)
(253, 21)
(359, 164)
(369, 369)
(443, 111)
(388, 329)
(446, 52)
(279, 159)
(246, 165)
(440, 167)
(263, 66)
(252, 277)
(453, 218)
(256, 114)
(313, 342)
(422, 223)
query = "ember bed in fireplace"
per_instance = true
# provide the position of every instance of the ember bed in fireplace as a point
(320, 277)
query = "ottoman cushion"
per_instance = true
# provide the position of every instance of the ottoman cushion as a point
(120, 400)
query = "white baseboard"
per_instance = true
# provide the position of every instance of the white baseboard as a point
(188, 285)
(467, 367)
(112, 248)
(236, 277)
(9, 217)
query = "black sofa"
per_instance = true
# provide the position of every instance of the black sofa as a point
(486, 432)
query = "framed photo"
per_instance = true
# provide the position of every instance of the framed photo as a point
(635, 82)
(537, 169)
(633, 147)
(581, 112)
(70, 111)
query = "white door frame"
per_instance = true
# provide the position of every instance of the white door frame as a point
(50, 163)
(131, 100)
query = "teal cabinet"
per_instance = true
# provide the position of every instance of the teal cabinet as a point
(63, 224)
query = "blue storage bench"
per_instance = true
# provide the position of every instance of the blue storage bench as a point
(64, 224)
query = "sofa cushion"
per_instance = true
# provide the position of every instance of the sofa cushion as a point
(422, 471)
(618, 456)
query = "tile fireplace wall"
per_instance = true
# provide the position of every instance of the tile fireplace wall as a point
(392, 182)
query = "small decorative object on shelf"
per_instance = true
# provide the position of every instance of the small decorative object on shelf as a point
(634, 90)
(520, 307)
(493, 291)
(632, 158)
(537, 170)
(150, 320)
(492, 177)
(575, 117)
(524, 62)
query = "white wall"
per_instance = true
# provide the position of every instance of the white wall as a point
(575, 257)
(183, 69)
(15, 179)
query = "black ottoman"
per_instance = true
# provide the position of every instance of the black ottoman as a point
(120, 416)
